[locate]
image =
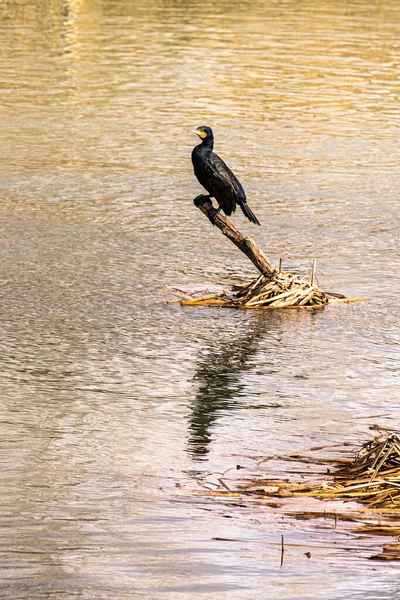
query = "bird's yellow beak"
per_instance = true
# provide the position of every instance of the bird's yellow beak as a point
(201, 134)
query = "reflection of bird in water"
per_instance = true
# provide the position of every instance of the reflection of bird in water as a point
(219, 376)
(216, 177)
(221, 388)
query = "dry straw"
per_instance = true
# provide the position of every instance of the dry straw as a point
(276, 289)
(372, 478)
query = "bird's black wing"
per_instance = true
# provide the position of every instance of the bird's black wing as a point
(223, 185)
(224, 179)
(228, 190)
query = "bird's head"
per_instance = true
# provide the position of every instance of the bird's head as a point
(203, 132)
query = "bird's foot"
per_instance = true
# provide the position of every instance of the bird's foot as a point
(212, 213)
(202, 199)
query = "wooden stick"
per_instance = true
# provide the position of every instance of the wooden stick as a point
(344, 300)
(245, 244)
(314, 267)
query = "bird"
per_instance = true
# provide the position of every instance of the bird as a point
(217, 178)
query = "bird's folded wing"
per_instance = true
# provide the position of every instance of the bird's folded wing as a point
(223, 178)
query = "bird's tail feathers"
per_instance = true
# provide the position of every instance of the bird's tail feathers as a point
(249, 213)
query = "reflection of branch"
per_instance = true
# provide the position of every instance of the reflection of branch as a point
(218, 374)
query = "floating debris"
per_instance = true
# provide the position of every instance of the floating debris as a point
(277, 289)
(370, 477)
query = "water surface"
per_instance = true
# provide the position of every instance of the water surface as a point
(110, 396)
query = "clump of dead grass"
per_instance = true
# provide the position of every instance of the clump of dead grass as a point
(372, 477)
(277, 289)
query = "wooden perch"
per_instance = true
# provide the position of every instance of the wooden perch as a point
(274, 288)
(245, 244)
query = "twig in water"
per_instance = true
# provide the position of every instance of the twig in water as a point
(224, 485)
(314, 267)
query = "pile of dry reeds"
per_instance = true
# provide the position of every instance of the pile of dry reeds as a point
(277, 289)
(372, 478)
(374, 475)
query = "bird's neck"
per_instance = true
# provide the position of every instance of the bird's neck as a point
(208, 144)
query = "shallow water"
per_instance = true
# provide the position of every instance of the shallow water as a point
(111, 397)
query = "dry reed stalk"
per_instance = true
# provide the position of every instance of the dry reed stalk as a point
(344, 300)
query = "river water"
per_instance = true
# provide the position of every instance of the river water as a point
(113, 402)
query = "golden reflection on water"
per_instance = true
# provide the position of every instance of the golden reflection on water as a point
(117, 85)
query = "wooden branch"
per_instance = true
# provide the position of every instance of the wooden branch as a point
(274, 288)
(245, 244)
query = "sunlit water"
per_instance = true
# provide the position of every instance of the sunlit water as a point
(111, 397)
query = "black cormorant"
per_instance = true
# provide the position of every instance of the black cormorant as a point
(217, 178)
